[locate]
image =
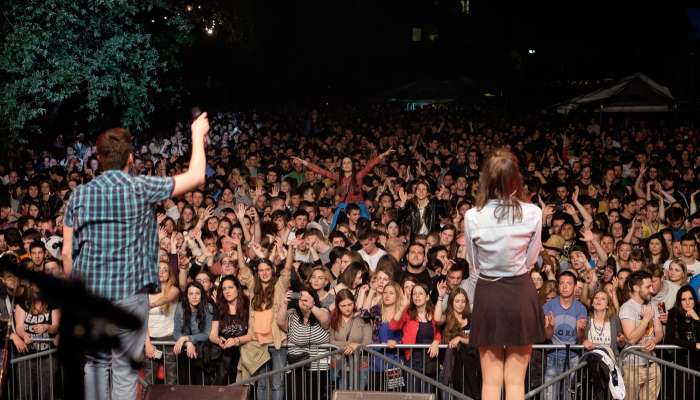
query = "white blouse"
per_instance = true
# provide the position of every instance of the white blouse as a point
(505, 248)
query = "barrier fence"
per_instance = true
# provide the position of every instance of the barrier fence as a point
(554, 372)
(34, 376)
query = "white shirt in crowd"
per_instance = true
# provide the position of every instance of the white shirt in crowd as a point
(373, 259)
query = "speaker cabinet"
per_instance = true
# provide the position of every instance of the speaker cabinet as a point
(185, 392)
(356, 395)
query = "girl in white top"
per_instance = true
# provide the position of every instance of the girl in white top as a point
(502, 240)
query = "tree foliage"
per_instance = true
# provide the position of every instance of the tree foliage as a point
(98, 54)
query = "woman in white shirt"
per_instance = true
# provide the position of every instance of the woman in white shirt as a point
(502, 239)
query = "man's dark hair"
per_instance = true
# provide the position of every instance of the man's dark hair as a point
(113, 148)
(366, 234)
(339, 234)
(628, 200)
(566, 273)
(415, 244)
(688, 238)
(13, 237)
(37, 243)
(629, 271)
(314, 232)
(675, 214)
(352, 207)
(300, 213)
(636, 279)
(31, 234)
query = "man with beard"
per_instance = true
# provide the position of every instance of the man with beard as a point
(415, 258)
(642, 327)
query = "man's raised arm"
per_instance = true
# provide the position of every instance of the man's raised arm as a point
(194, 176)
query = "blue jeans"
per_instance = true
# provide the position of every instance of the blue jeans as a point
(342, 206)
(555, 366)
(124, 376)
(278, 359)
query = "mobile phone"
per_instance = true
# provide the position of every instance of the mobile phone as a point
(157, 354)
(662, 308)
(295, 296)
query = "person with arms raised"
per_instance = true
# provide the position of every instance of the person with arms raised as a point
(110, 242)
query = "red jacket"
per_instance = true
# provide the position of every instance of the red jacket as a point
(410, 330)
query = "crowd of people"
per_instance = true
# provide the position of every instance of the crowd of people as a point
(347, 229)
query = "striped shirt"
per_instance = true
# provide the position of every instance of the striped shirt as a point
(305, 339)
(115, 238)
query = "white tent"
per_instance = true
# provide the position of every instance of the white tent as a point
(634, 93)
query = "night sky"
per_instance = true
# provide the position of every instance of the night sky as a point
(288, 50)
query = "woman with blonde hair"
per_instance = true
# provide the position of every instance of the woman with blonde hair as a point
(603, 328)
(503, 239)
(380, 316)
(548, 291)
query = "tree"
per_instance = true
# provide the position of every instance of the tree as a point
(98, 55)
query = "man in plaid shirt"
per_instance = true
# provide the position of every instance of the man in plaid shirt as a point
(110, 242)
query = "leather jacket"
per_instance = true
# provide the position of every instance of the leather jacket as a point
(435, 209)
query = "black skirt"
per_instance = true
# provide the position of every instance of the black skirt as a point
(507, 312)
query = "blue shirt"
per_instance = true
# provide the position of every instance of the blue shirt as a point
(115, 237)
(565, 321)
(695, 284)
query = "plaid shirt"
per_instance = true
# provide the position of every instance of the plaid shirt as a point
(115, 237)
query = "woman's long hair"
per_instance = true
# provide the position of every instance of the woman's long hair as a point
(398, 305)
(336, 315)
(665, 254)
(34, 303)
(501, 181)
(263, 297)
(413, 309)
(165, 287)
(680, 263)
(352, 177)
(683, 289)
(181, 223)
(201, 310)
(348, 276)
(609, 311)
(242, 302)
(452, 326)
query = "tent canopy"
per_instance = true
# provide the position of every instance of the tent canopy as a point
(634, 93)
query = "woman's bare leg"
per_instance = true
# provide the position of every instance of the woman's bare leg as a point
(492, 371)
(517, 359)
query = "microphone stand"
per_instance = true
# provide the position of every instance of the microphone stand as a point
(89, 323)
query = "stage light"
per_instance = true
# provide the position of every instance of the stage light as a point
(531, 51)
(189, 8)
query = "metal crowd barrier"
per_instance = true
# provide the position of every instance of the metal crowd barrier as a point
(314, 378)
(453, 374)
(667, 373)
(34, 376)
